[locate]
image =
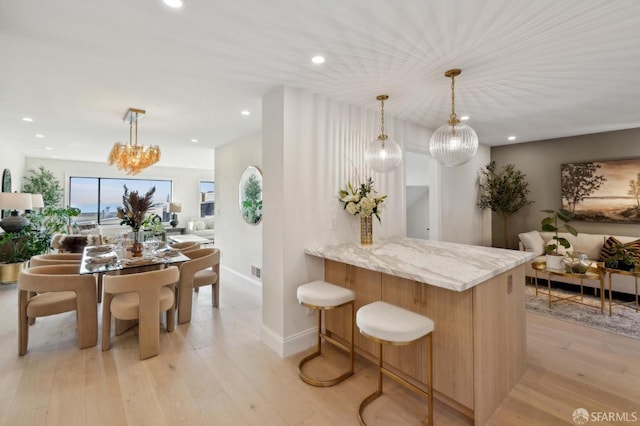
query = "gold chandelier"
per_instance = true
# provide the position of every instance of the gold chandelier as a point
(133, 158)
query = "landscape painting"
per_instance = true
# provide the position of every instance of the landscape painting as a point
(602, 191)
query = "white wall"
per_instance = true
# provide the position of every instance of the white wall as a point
(239, 242)
(12, 160)
(186, 182)
(311, 147)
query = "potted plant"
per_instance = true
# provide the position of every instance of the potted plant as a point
(16, 248)
(555, 221)
(623, 258)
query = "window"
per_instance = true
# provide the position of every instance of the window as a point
(99, 198)
(207, 198)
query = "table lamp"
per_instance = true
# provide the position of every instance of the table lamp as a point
(174, 209)
(14, 201)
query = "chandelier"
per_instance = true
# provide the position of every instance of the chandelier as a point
(133, 158)
(454, 143)
(383, 154)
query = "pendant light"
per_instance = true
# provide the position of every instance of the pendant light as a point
(455, 143)
(383, 154)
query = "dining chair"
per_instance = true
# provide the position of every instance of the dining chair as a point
(142, 296)
(203, 269)
(65, 259)
(53, 289)
(185, 246)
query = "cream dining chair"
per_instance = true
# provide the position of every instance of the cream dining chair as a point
(53, 289)
(185, 246)
(65, 259)
(142, 296)
(203, 269)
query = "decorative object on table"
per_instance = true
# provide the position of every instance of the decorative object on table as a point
(504, 192)
(454, 143)
(363, 200)
(133, 158)
(555, 250)
(174, 209)
(250, 195)
(14, 201)
(621, 256)
(383, 154)
(576, 263)
(133, 214)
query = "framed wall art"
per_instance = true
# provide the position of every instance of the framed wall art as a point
(602, 191)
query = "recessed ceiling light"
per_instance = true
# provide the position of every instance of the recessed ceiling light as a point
(49, 148)
(28, 119)
(317, 59)
(176, 4)
(245, 112)
(512, 138)
(39, 135)
(464, 118)
(194, 140)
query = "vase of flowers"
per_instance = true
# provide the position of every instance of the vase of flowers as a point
(133, 214)
(363, 200)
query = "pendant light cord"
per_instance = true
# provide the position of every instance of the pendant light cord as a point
(453, 118)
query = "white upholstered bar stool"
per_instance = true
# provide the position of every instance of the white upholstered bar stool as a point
(389, 324)
(322, 296)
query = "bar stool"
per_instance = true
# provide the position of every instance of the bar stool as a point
(388, 324)
(323, 296)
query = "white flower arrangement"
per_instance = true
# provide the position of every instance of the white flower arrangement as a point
(362, 199)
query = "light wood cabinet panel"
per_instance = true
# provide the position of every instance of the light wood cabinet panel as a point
(452, 313)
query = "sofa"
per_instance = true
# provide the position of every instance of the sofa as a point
(589, 244)
(203, 227)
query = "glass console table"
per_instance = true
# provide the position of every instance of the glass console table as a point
(593, 273)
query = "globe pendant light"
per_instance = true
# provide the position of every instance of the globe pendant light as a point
(454, 143)
(383, 154)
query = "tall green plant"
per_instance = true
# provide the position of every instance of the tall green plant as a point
(42, 181)
(504, 192)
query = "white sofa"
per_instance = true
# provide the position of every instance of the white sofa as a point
(589, 244)
(202, 227)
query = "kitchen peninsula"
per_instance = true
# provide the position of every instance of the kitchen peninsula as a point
(474, 294)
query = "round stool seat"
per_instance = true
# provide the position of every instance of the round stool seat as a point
(324, 295)
(391, 323)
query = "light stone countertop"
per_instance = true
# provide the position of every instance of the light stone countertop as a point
(449, 265)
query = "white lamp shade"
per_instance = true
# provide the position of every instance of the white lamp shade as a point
(383, 155)
(175, 207)
(15, 201)
(37, 201)
(453, 145)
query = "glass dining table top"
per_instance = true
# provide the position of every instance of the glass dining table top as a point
(108, 258)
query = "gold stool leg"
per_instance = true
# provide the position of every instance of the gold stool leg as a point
(318, 352)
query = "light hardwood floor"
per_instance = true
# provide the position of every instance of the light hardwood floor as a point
(215, 371)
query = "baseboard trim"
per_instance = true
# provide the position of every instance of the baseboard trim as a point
(243, 277)
(290, 345)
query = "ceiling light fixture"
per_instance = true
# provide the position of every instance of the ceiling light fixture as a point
(176, 4)
(464, 118)
(38, 135)
(512, 138)
(194, 140)
(383, 154)
(245, 112)
(27, 119)
(454, 143)
(318, 59)
(133, 158)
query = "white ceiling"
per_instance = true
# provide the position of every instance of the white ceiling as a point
(535, 69)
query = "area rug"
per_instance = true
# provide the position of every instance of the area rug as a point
(624, 320)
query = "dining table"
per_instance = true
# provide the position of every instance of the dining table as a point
(115, 260)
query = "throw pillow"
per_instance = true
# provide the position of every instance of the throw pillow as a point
(609, 248)
(199, 225)
(532, 241)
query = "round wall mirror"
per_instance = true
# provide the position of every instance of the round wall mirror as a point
(250, 195)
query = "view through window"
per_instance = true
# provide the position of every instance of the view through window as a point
(99, 198)
(207, 199)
